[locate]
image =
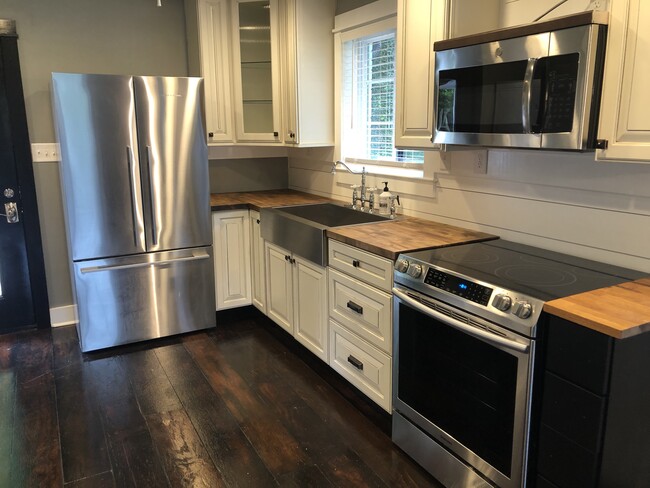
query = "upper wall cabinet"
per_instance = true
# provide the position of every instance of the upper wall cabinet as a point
(419, 24)
(308, 72)
(209, 52)
(256, 70)
(268, 69)
(624, 116)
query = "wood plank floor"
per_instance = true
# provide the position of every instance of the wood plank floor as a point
(239, 405)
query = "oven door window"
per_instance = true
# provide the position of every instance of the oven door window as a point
(486, 99)
(461, 384)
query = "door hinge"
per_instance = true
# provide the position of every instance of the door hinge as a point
(602, 143)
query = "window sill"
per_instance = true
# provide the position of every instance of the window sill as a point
(372, 169)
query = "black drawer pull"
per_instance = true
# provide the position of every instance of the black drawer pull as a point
(356, 263)
(356, 308)
(258, 221)
(355, 362)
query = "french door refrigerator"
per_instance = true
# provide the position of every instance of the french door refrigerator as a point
(134, 173)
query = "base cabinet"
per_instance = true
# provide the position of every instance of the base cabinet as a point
(258, 267)
(232, 264)
(593, 427)
(297, 298)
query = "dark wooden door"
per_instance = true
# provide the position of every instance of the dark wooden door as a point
(23, 292)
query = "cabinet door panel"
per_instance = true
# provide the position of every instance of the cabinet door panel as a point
(279, 286)
(257, 264)
(310, 306)
(232, 259)
(624, 118)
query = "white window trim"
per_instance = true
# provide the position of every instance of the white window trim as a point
(363, 21)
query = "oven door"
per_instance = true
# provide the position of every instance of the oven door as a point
(465, 382)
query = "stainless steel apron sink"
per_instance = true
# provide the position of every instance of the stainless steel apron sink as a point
(301, 228)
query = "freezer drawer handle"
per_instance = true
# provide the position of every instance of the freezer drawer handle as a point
(134, 217)
(355, 308)
(355, 362)
(152, 198)
(109, 267)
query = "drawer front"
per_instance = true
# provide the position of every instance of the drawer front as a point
(362, 364)
(564, 463)
(580, 355)
(363, 309)
(574, 412)
(364, 266)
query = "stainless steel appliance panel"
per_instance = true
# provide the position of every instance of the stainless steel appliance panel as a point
(174, 161)
(583, 41)
(100, 167)
(135, 298)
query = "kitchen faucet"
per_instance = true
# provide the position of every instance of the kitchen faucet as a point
(363, 174)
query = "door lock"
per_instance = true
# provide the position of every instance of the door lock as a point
(11, 212)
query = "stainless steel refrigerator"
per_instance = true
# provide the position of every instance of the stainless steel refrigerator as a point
(134, 173)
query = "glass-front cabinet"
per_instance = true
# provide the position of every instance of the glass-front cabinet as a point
(256, 70)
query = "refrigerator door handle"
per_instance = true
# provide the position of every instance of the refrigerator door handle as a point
(134, 217)
(112, 267)
(152, 198)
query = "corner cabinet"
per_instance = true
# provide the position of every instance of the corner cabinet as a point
(419, 24)
(307, 63)
(208, 22)
(624, 118)
(232, 264)
(297, 298)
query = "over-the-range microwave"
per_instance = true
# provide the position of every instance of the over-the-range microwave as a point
(535, 86)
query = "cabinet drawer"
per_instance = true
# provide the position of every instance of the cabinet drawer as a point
(362, 364)
(574, 412)
(580, 355)
(363, 309)
(362, 265)
(563, 462)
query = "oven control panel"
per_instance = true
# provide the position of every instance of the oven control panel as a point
(458, 286)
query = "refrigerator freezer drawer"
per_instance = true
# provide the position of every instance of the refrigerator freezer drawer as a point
(135, 298)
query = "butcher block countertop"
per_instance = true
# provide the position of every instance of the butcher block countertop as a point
(407, 234)
(256, 200)
(619, 311)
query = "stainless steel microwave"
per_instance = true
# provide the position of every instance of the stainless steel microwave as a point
(535, 86)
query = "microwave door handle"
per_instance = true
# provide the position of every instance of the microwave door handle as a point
(457, 324)
(526, 94)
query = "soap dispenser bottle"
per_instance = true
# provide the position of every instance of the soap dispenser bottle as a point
(384, 200)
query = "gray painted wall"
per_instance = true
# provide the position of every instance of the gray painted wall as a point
(347, 5)
(100, 36)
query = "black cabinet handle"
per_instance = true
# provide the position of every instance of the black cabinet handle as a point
(292, 260)
(287, 258)
(356, 263)
(258, 221)
(210, 134)
(355, 362)
(356, 308)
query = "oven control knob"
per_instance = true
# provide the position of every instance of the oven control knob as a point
(523, 310)
(502, 302)
(415, 270)
(402, 265)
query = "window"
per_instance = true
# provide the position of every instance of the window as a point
(368, 102)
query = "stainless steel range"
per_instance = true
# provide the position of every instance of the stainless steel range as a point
(465, 327)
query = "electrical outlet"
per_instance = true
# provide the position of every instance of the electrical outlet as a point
(45, 152)
(480, 163)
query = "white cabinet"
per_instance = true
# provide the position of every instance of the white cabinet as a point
(419, 24)
(297, 298)
(257, 263)
(361, 319)
(209, 52)
(232, 265)
(256, 70)
(624, 116)
(307, 63)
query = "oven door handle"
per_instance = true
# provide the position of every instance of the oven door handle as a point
(457, 324)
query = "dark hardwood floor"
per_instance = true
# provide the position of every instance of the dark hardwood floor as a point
(239, 405)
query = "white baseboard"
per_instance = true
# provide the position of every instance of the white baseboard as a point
(66, 315)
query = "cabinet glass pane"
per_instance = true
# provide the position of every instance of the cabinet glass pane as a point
(255, 48)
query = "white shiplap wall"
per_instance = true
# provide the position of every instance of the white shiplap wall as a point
(560, 201)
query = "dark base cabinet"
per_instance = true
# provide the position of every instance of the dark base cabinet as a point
(592, 416)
